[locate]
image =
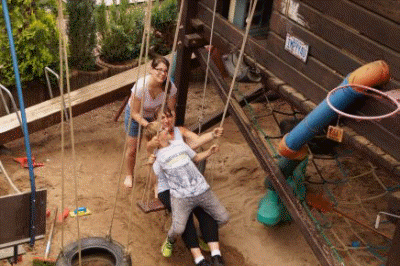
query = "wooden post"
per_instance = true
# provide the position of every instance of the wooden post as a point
(183, 61)
(394, 254)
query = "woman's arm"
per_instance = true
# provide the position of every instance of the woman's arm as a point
(194, 141)
(135, 111)
(171, 102)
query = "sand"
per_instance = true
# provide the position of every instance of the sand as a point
(99, 142)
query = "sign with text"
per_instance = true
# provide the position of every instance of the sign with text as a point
(296, 47)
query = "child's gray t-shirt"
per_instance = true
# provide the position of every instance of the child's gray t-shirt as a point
(175, 163)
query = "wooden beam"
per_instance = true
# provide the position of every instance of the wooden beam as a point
(373, 130)
(82, 100)
(362, 20)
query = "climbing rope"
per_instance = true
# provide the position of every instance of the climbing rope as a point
(8, 178)
(248, 21)
(203, 102)
(64, 61)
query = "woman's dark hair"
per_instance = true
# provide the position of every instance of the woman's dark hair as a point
(155, 62)
(158, 60)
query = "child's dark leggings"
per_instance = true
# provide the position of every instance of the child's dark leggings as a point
(208, 226)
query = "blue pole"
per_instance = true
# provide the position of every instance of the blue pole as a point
(320, 117)
(32, 230)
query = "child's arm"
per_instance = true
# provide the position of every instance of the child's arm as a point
(153, 176)
(205, 154)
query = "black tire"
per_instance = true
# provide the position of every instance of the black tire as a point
(91, 247)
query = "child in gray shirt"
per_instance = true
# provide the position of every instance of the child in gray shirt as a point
(189, 189)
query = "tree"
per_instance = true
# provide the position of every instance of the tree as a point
(81, 34)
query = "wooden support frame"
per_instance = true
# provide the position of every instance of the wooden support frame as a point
(316, 242)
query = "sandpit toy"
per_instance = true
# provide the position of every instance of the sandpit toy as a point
(81, 211)
(23, 161)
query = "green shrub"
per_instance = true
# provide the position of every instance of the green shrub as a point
(81, 34)
(121, 29)
(163, 21)
(35, 36)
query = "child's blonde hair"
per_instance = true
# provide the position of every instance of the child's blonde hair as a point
(151, 130)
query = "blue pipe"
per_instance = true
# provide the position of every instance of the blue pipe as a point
(32, 230)
(320, 117)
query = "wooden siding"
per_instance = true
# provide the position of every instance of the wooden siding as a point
(342, 35)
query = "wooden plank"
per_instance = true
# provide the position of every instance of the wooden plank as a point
(314, 69)
(364, 21)
(9, 252)
(346, 38)
(389, 9)
(333, 56)
(379, 135)
(320, 49)
(15, 217)
(82, 100)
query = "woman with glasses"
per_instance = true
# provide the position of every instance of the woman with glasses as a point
(149, 91)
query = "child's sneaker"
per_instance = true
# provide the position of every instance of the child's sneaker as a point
(217, 260)
(203, 245)
(204, 263)
(167, 248)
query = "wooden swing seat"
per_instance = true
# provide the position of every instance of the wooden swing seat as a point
(151, 205)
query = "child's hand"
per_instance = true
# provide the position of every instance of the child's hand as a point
(151, 159)
(213, 149)
(152, 144)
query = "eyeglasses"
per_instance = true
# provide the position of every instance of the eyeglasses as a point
(160, 70)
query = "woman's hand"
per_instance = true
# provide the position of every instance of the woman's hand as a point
(217, 132)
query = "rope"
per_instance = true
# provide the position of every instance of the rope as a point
(61, 87)
(168, 81)
(208, 67)
(178, 27)
(145, 37)
(129, 126)
(8, 178)
(248, 21)
(71, 123)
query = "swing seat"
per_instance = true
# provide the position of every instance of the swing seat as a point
(151, 205)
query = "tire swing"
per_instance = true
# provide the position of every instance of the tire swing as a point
(92, 250)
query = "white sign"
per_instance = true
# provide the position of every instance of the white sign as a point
(296, 47)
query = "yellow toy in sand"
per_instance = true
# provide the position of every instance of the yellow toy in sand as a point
(81, 211)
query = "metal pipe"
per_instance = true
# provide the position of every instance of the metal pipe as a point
(32, 230)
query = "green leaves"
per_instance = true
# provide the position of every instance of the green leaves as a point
(82, 34)
(35, 38)
(121, 29)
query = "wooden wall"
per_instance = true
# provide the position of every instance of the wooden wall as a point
(342, 35)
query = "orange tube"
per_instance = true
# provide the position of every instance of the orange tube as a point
(372, 74)
(287, 152)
